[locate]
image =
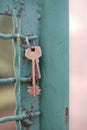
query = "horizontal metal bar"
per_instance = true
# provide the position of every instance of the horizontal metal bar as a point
(13, 36)
(5, 13)
(18, 117)
(25, 79)
(9, 14)
(8, 80)
(12, 80)
(33, 114)
(11, 118)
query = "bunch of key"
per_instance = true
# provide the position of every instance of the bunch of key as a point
(34, 53)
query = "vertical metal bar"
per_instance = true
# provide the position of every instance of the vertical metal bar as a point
(54, 42)
(29, 26)
(16, 68)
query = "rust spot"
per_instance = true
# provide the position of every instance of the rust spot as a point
(28, 128)
(32, 106)
(23, 60)
(25, 124)
(66, 111)
(23, 108)
(20, 45)
(20, 11)
(8, 9)
(27, 112)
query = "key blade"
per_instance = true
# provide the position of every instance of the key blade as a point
(37, 69)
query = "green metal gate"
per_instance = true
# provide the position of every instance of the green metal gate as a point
(44, 23)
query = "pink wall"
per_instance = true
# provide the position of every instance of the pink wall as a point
(78, 65)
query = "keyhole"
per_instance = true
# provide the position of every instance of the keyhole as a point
(32, 49)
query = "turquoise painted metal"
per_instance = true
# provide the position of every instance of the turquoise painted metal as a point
(44, 22)
(54, 41)
(27, 107)
(29, 26)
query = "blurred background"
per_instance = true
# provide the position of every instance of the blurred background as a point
(7, 97)
(78, 64)
(78, 67)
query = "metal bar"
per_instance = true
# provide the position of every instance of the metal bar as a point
(25, 79)
(8, 80)
(9, 14)
(12, 80)
(12, 118)
(30, 24)
(18, 117)
(16, 68)
(15, 35)
(33, 114)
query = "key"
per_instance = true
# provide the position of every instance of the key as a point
(37, 69)
(33, 54)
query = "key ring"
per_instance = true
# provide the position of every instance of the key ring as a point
(27, 41)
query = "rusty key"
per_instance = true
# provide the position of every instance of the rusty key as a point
(33, 53)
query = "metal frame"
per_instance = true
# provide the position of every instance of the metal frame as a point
(25, 111)
(44, 21)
